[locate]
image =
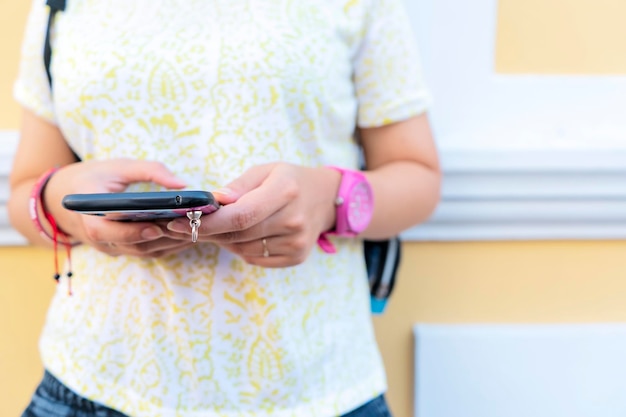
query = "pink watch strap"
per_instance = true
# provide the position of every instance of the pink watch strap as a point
(325, 244)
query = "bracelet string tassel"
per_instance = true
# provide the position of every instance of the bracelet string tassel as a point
(57, 236)
(60, 237)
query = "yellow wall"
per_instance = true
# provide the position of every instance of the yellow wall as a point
(12, 21)
(439, 282)
(561, 36)
(25, 290)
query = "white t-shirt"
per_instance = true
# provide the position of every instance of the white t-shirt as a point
(211, 88)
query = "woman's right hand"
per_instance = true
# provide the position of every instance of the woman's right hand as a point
(143, 239)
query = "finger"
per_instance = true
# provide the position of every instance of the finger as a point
(248, 181)
(249, 210)
(291, 246)
(180, 229)
(274, 261)
(185, 236)
(107, 247)
(106, 231)
(155, 249)
(280, 223)
(132, 170)
(291, 225)
(225, 195)
(160, 247)
(171, 252)
(253, 249)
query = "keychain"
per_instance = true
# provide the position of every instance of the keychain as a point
(194, 222)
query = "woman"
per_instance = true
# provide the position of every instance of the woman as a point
(260, 102)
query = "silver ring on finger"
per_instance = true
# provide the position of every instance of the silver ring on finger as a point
(266, 252)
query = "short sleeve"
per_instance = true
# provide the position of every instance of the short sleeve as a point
(387, 71)
(31, 89)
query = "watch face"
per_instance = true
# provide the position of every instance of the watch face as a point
(360, 207)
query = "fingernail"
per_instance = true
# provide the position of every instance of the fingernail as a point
(151, 233)
(175, 226)
(223, 191)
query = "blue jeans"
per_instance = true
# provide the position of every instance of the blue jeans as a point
(53, 399)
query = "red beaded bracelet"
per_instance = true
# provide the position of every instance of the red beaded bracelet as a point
(35, 202)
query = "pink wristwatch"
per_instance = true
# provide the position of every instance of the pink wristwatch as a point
(355, 206)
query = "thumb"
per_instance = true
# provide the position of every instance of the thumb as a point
(225, 195)
(247, 182)
(149, 171)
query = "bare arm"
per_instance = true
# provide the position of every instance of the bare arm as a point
(41, 147)
(403, 168)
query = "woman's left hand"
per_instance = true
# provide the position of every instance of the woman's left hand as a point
(272, 215)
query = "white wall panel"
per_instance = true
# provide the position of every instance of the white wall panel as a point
(520, 370)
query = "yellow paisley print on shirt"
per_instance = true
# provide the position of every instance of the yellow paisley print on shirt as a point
(211, 88)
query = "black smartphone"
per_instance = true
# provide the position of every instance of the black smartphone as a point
(141, 206)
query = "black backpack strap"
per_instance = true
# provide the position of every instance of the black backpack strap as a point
(382, 258)
(55, 6)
